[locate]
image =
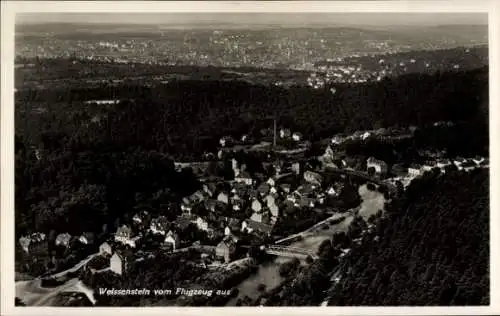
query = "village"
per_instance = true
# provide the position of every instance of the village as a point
(225, 221)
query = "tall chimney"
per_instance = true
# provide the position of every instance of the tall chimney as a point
(274, 135)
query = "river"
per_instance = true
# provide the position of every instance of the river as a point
(268, 273)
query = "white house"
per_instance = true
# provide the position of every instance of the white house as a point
(225, 141)
(313, 177)
(201, 224)
(63, 240)
(274, 211)
(379, 165)
(284, 133)
(25, 243)
(331, 191)
(159, 225)
(365, 135)
(478, 160)
(256, 217)
(244, 177)
(87, 238)
(286, 187)
(172, 239)
(245, 227)
(118, 263)
(270, 200)
(296, 168)
(186, 207)
(271, 182)
(123, 234)
(415, 170)
(227, 231)
(105, 248)
(256, 205)
(297, 136)
(428, 166)
(223, 197)
(337, 140)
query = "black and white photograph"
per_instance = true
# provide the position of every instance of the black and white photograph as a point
(250, 159)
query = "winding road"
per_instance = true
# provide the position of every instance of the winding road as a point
(32, 293)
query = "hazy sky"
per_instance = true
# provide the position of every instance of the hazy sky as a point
(259, 18)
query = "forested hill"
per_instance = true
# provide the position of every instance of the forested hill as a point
(433, 248)
(187, 117)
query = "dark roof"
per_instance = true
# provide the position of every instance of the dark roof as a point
(259, 226)
(264, 187)
(228, 241)
(244, 175)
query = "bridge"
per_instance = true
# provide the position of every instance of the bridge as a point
(362, 175)
(290, 252)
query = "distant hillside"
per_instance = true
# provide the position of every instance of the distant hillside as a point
(178, 117)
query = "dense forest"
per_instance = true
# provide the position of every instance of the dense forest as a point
(431, 248)
(186, 118)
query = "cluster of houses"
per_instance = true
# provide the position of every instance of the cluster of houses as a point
(38, 242)
(286, 133)
(283, 133)
(246, 205)
(381, 134)
(462, 164)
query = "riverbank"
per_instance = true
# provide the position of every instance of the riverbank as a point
(268, 273)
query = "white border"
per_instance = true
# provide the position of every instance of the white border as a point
(9, 8)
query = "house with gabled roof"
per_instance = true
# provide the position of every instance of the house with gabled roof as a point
(296, 136)
(141, 217)
(120, 262)
(87, 238)
(105, 249)
(237, 205)
(244, 177)
(271, 181)
(379, 165)
(415, 170)
(203, 224)
(172, 239)
(63, 240)
(223, 197)
(159, 225)
(123, 234)
(33, 242)
(285, 187)
(256, 205)
(226, 248)
(313, 177)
